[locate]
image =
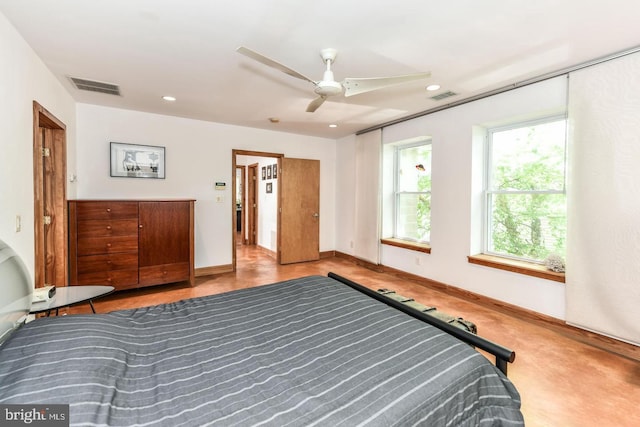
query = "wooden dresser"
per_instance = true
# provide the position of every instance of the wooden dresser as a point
(131, 243)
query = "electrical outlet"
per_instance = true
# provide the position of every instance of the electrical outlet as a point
(219, 199)
(18, 223)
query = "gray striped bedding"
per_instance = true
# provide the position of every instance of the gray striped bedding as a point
(303, 352)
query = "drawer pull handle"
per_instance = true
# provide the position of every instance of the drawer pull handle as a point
(140, 226)
(108, 245)
(108, 209)
(108, 227)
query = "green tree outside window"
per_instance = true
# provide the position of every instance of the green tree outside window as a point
(526, 191)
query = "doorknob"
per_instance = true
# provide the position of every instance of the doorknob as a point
(315, 215)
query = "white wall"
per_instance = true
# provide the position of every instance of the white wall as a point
(455, 192)
(23, 79)
(198, 154)
(345, 191)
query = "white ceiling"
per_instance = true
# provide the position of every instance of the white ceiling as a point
(186, 48)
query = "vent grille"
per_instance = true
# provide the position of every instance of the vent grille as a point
(93, 86)
(443, 95)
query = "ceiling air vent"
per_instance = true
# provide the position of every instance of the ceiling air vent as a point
(443, 95)
(92, 86)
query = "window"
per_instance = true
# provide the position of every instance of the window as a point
(412, 192)
(525, 190)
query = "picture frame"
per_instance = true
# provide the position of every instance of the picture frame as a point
(264, 173)
(137, 161)
(269, 172)
(275, 170)
(269, 187)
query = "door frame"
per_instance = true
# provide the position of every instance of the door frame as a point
(55, 177)
(234, 153)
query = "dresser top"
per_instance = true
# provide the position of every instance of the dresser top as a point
(131, 200)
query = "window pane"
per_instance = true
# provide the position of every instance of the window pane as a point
(413, 217)
(529, 158)
(527, 225)
(414, 168)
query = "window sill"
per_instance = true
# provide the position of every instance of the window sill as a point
(521, 267)
(407, 244)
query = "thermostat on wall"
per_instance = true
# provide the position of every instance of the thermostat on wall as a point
(221, 185)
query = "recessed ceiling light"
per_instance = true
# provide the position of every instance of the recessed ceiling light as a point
(169, 98)
(433, 87)
(333, 125)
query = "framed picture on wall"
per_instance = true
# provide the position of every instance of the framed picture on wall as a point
(264, 173)
(269, 187)
(269, 172)
(275, 170)
(137, 161)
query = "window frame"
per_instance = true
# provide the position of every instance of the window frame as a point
(488, 193)
(397, 193)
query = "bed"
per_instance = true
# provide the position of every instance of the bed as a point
(312, 351)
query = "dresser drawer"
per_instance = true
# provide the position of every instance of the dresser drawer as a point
(108, 227)
(107, 245)
(106, 210)
(96, 263)
(167, 273)
(119, 279)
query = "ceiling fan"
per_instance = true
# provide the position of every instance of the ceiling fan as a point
(328, 86)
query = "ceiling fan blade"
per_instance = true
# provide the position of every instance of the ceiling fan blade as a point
(313, 105)
(271, 63)
(355, 86)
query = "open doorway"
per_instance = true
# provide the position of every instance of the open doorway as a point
(282, 206)
(257, 207)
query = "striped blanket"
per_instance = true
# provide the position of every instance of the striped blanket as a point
(304, 352)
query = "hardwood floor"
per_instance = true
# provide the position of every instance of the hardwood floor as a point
(562, 382)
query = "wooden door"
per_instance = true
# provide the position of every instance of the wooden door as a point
(299, 219)
(240, 191)
(50, 212)
(165, 242)
(252, 205)
(164, 233)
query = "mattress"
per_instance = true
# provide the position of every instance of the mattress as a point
(304, 352)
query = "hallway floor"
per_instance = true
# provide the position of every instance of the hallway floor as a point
(563, 382)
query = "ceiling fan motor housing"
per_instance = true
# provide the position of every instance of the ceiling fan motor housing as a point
(328, 87)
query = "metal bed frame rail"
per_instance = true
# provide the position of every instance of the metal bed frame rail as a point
(502, 354)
